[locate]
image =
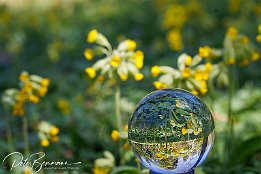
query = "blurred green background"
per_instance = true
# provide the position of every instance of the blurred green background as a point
(48, 38)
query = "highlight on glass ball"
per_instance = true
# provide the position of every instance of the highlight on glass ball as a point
(171, 131)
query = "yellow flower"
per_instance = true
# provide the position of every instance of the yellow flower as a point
(138, 76)
(64, 106)
(124, 77)
(204, 52)
(54, 131)
(258, 38)
(88, 54)
(155, 71)
(194, 92)
(244, 62)
(18, 109)
(232, 33)
(42, 91)
(34, 99)
(115, 135)
(115, 61)
(231, 61)
(245, 39)
(45, 82)
(100, 78)
(24, 76)
(174, 38)
(54, 138)
(45, 143)
(92, 36)
(255, 56)
(91, 72)
(139, 57)
(126, 146)
(188, 60)
(259, 28)
(125, 128)
(186, 72)
(208, 67)
(131, 44)
(183, 131)
(159, 85)
(101, 170)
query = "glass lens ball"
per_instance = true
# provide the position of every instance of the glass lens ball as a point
(171, 131)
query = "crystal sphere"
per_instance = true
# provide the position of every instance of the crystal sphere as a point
(171, 131)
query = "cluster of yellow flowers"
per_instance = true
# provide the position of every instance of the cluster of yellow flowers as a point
(174, 19)
(47, 133)
(116, 135)
(258, 37)
(104, 165)
(189, 75)
(118, 63)
(32, 88)
(238, 48)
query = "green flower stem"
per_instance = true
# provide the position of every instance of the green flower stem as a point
(230, 127)
(25, 134)
(118, 107)
(9, 134)
(138, 165)
(118, 117)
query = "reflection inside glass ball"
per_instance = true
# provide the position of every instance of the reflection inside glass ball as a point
(171, 131)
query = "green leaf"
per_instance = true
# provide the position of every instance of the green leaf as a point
(125, 170)
(244, 150)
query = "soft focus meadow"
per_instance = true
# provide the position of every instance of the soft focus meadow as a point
(71, 73)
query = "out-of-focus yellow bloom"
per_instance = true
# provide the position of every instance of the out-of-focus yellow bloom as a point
(24, 76)
(54, 139)
(188, 60)
(244, 62)
(175, 16)
(259, 28)
(183, 131)
(101, 78)
(64, 106)
(139, 57)
(255, 56)
(175, 40)
(45, 82)
(159, 85)
(100, 170)
(138, 76)
(194, 92)
(232, 33)
(54, 131)
(91, 72)
(204, 52)
(208, 67)
(34, 99)
(115, 61)
(125, 128)
(245, 39)
(115, 135)
(124, 77)
(231, 61)
(126, 146)
(92, 36)
(186, 72)
(88, 54)
(131, 44)
(155, 71)
(234, 6)
(45, 143)
(18, 109)
(258, 38)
